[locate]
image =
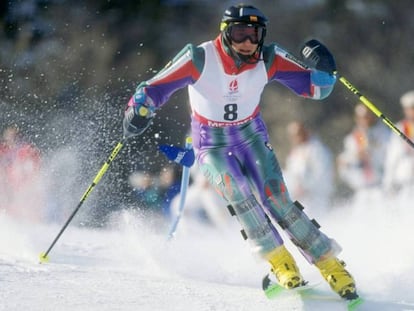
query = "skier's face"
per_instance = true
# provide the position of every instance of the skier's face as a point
(245, 48)
(245, 38)
(241, 32)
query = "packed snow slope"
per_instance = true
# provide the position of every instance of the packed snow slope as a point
(130, 266)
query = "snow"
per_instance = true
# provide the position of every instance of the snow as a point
(131, 266)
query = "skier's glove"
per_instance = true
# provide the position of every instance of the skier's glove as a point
(138, 115)
(179, 155)
(316, 55)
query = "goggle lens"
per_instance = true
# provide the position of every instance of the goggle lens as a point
(241, 32)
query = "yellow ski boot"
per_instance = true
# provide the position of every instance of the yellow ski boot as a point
(285, 268)
(334, 272)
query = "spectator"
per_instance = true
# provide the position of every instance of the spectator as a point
(399, 161)
(155, 194)
(361, 164)
(168, 186)
(309, 169)
(21, 193)
(145, 191)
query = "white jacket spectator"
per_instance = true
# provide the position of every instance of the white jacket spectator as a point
(361, 164)
(399, 162)
(309, 170)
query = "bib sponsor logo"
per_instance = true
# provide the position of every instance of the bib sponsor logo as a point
(224, 124)
(234, 86)
(233, 95)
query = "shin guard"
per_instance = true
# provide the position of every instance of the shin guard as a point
(257, 227)
(305, 233)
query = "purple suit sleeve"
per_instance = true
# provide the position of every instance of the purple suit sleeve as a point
(183, 70)
(285, 69)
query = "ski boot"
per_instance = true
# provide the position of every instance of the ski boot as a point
(334, 272)
(285, 268)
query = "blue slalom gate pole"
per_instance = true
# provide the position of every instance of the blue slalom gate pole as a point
(185, 179)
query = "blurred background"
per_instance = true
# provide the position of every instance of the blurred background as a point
(68, 68)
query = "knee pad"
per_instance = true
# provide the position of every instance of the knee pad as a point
(224, 183)
(257, 227)
(305, 233)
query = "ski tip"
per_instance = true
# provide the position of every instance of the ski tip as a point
(353, 304)
(43, 258)
(271, 289)
(274, 291)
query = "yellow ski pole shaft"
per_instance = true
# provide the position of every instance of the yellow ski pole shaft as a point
(44, 256)
(374, 109)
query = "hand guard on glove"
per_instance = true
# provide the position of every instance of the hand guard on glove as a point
(183, 156)
(316, 55)
(138, 116)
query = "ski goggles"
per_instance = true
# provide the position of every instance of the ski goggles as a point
(241, 32)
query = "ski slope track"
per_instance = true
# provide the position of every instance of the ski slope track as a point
(130, 266)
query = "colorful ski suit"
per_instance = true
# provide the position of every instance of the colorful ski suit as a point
(231, 140)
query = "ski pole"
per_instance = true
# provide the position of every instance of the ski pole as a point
(185, 178)
(44, 256)
(374, 109)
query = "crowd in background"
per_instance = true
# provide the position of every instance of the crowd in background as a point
(373, 162)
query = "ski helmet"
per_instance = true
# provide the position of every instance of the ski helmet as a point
(245, 15)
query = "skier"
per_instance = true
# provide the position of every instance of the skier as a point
(399, 160)
(225, 79)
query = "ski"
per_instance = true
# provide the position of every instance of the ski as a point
(354, 303)
(273, 290)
